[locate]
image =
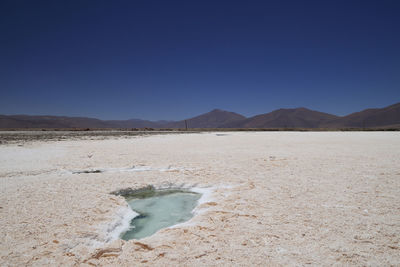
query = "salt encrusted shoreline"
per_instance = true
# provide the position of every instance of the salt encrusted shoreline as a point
(120, 225)
(125, 214)
(272, 198)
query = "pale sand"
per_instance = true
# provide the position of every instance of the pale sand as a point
(276, 198)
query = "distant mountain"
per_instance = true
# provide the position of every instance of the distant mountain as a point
(376, 117)
(212, 119)
(135, 123)
(285, 118)
(26, 121)
(281, 118)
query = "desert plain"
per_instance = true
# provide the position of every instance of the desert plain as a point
(270, 199)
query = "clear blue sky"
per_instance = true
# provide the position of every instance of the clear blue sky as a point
(176, 59)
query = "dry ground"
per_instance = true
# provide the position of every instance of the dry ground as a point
(278, 198)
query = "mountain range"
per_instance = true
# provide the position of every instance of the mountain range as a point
(281, 118)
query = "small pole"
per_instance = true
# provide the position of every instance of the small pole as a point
(186, 124)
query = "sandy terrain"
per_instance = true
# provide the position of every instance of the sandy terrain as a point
(276, 198)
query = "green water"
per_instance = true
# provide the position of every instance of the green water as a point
(158, 210)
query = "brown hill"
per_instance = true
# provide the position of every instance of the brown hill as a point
(26, 121)
(282, 118)
(285, 118)
(212, 119)
(376, 117)
(135, 123)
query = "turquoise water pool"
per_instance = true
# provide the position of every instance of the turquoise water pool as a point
(159, 209)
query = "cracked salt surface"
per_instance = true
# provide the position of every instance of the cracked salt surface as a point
(51, 217)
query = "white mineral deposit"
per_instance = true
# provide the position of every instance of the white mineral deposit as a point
(267, 198)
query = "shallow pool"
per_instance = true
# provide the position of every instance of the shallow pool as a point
(159, 209)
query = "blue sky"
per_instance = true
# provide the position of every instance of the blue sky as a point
(176, 59)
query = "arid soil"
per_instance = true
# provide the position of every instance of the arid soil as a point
(275, 198)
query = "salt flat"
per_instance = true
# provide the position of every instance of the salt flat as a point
(275, 198)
